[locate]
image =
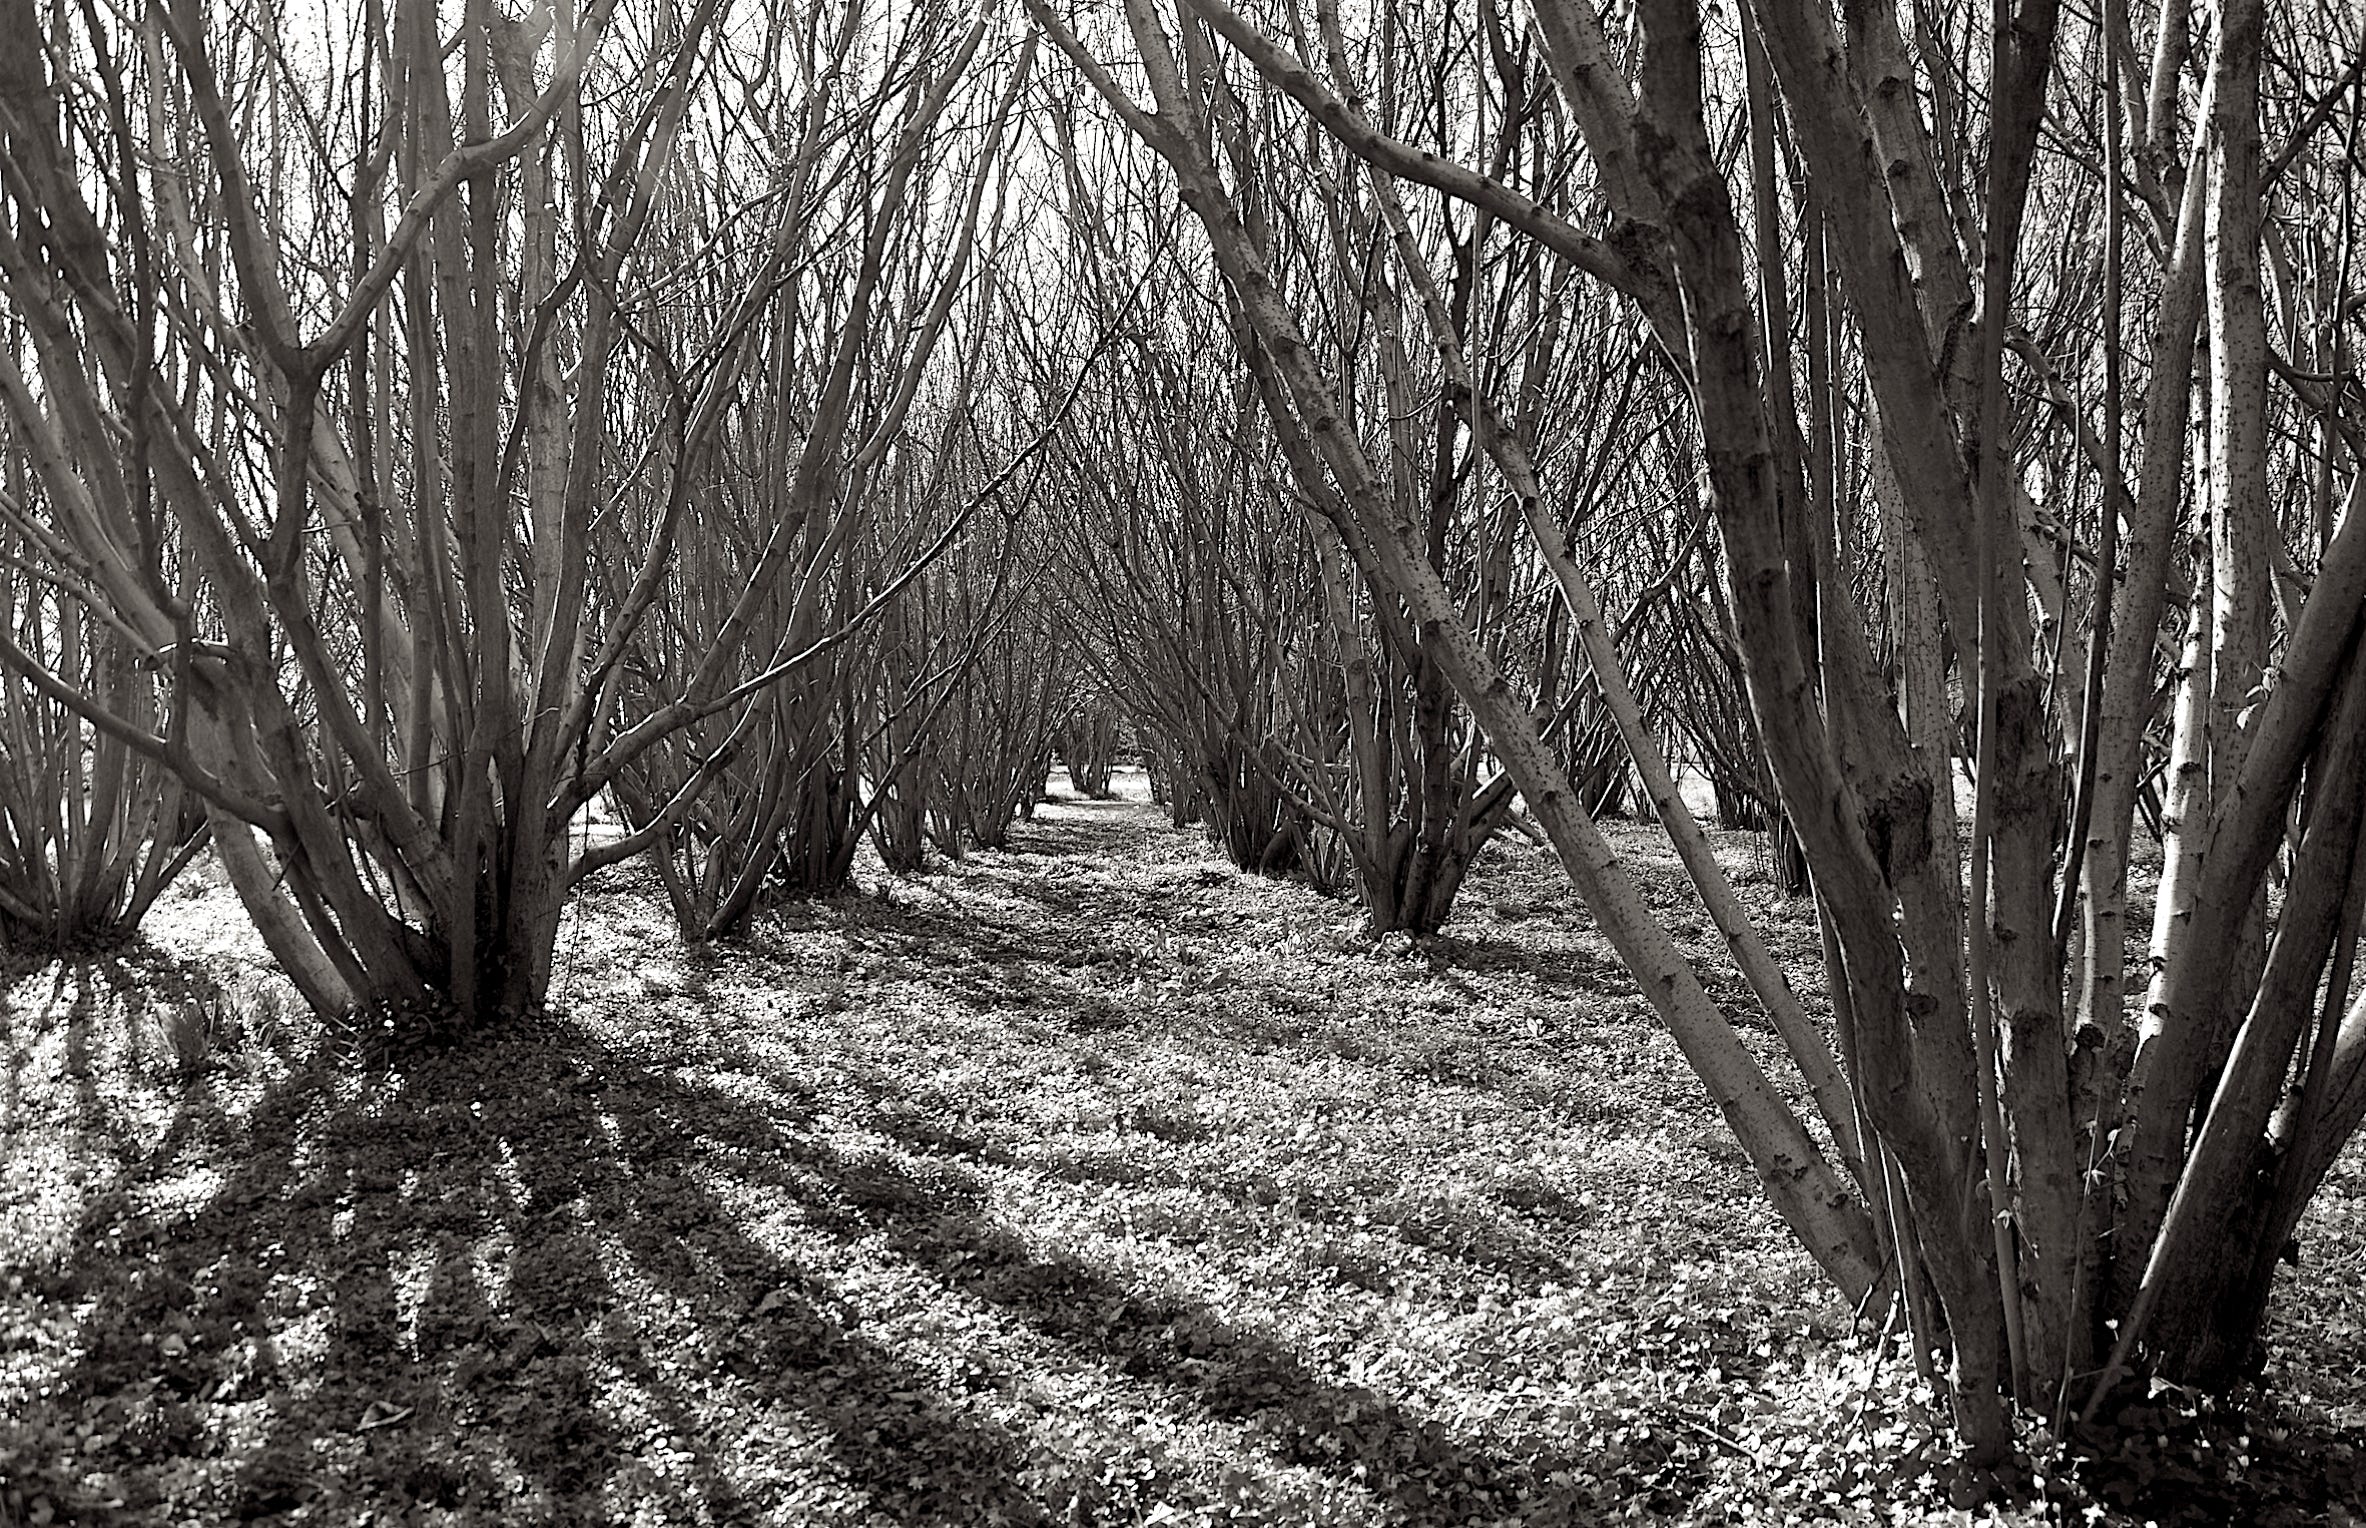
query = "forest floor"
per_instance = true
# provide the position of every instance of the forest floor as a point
(1087, 1182)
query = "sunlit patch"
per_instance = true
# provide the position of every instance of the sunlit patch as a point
(183, 1194)
(42, 1202)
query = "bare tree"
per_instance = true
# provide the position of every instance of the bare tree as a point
(400, 273)
(91, 829)
(2065, 1188)
(845, 460)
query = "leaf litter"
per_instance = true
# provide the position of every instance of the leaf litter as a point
(1088, 1182)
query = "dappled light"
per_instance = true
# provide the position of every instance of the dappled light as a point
(1090, 1179)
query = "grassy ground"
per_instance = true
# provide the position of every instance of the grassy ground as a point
(1088, 1182)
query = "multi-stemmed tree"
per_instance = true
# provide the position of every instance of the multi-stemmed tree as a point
(354, 329)
(412, 436)
(1321, 734)
(844, 461)
(91, 828)
(2065, 1184)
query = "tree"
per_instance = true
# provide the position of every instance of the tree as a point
(1327, 739)
(2051, 1178)
(846, 460)
(91, 829)
(365, 314)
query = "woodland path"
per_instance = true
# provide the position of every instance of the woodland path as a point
(1090, 1181)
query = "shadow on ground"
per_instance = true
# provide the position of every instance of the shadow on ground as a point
(649, 1271)
(500, 1288)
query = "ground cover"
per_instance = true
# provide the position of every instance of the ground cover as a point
(1088, 1182)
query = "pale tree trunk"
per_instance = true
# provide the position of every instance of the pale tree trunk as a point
(2128, 700)
(2182, 1034)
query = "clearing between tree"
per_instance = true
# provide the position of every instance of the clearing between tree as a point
(1093, 1181)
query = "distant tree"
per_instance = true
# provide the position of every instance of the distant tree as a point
(846, 459)
(1192, 578)
(92, 829)
(993, 749)
(1089, 738)
(1320, 736)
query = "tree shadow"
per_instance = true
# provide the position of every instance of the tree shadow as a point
(1557, 968)
(993, 962)
(1079, 826)
(508, 1284)
(389, 1301)
(525, 1281)
(934, 1214)
(128, 1013)
(1526, 1259)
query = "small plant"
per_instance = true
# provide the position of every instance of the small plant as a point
(1177, 1127)
(191, 1027)
(268, 1009)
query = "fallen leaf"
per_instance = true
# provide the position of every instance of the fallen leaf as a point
(382, 1415)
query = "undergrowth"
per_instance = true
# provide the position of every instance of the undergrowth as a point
(1088, 1182)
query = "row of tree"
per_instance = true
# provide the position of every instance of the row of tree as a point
(411, 444)
(1819, 219)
